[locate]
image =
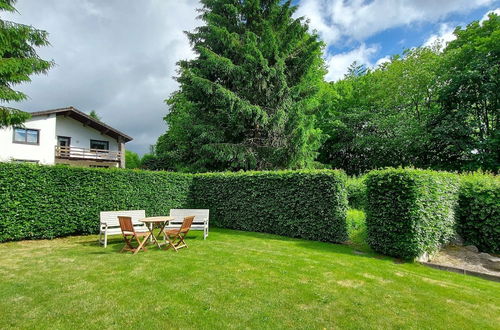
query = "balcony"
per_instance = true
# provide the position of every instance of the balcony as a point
(76, 153)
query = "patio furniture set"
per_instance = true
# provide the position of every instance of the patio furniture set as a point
(135, 226)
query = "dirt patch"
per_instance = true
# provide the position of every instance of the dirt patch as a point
(350, 284)
(461, 257)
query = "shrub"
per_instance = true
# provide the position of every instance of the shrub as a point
(478, 220)
(410, 212)
(52, 201)
(306, 204)
(356, 192)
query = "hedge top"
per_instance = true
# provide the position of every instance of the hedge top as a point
(275, 172)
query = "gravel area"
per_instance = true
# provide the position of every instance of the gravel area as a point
(461, 257)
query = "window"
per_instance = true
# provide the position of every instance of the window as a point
(26, 136)
(101, 145)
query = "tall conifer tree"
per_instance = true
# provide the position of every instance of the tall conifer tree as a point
(247, 100)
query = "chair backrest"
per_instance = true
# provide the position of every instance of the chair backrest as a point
(199, 214)
(111, 217)
(186, 224)
(126, 224)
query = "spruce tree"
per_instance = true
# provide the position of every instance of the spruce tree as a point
(247, 100)
(18, 60)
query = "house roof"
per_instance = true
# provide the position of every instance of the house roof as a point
(87, 120)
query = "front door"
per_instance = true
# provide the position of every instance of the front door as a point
(64, 143)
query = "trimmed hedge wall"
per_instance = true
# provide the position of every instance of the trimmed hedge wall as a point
(52, 201)
(410, 212)
(305, 204)
(356, 192)
(479, 211)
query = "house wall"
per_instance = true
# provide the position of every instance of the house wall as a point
(42, 153)
(81, 134)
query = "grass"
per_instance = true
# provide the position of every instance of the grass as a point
(232, 280)
(356, 227)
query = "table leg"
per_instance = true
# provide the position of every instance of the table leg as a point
(156, 241)
(162, 228)
(139, 248)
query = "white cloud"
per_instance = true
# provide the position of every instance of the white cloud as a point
(485, 17)
(343, 23)
(339, 63)
(382, 60)
(360, 19)
(445, 33)
(444, 36)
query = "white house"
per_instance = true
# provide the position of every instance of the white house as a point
(64, 136)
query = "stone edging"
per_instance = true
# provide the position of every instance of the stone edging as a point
(485, 276)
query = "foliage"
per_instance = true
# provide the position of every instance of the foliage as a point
(154, 162)
(233, 279)
(356, 228)
(94, 115)
(18, 61)
(356, 192)
(52, 201)
(470, 97)
(427, 108)
(410, 212)
(308, 204)
(478, 220)
(247, 100)
(377, 118)
(132, 160)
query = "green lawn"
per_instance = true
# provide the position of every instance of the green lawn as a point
(232, 280)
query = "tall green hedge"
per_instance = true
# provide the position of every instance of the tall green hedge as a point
(52, 201)
(410, 212)
(305, 204)
(479, 211)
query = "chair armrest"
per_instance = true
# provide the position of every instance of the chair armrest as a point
(104, 225)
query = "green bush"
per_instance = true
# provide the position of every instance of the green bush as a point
(52, 201)
(410, 212)
(356, 192)
(306, 204)
(478, 220)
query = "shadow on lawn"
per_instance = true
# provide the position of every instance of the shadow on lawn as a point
(309, 244)
(116, 243)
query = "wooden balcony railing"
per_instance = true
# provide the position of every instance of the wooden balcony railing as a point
(87, 154)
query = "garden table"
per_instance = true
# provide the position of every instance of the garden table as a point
(155, 222)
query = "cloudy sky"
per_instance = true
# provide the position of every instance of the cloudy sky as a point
(118, 57)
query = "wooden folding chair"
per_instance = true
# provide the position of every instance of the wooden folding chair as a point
(129, 234)
(175, 237)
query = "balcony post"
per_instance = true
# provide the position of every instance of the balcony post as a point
(121, 149)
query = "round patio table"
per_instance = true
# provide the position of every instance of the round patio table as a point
(156, 222)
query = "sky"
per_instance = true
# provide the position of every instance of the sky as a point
(118, 57)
